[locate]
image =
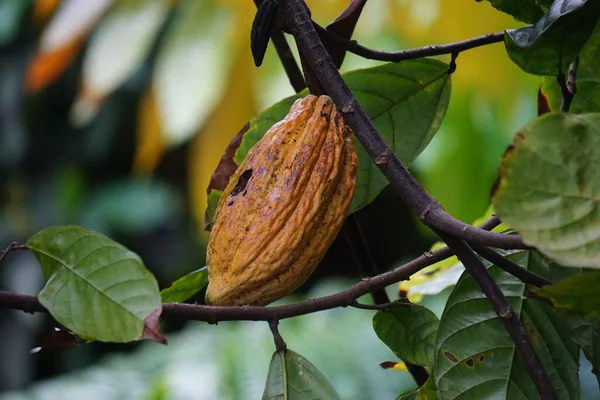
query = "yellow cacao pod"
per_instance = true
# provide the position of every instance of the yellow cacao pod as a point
(283, 207)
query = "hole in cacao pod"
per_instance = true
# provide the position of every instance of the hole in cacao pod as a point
(240, 186)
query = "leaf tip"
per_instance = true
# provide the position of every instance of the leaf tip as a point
(152, 327)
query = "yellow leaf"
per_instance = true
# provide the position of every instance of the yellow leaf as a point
(150, 146)
(44, 9)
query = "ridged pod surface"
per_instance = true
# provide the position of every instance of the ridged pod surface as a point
(283, 207)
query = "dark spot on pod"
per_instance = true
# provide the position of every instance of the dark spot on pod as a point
(450, 356)
(325, 115)
(240, 186)
(230, 203)
(481, 358)
(470, 362)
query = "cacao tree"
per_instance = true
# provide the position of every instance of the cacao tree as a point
(522, 306)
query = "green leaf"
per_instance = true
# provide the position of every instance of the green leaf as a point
(291, 376)
(426, 392)
(406, 101)
(549, 184)
(549, 46)
(587, 96)
(475, 357)
(576, 294)
(260, 124)
(409, 332)
(96, 287)
(185, 287)
(529, 11)
(586, 333)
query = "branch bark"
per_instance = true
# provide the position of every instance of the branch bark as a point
(214, 314)
(410, 54)
(511, 267)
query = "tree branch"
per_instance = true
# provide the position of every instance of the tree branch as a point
(568, 86)
(11, 247)
(511, 267)
(509, 319)
(429, 211)
(277, 338)
(214, 314)
(411, 54)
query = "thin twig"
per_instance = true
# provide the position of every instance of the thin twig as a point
(277, 338)
(422, 204)
(568, 86)
(11, 247)
(511, 267)
(215, 314)
(507, 316)
(402, 55)
(491, 223)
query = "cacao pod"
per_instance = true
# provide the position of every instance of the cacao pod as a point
(283, 207)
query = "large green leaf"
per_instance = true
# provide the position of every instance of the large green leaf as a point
(548, 47)
(475, 357)
(185, 287)
(576, 294)
(586, 333)
(96, 287)
(409, 332)
(406, 101)
(524, 10)
(549, 187)
(291, 376)
(426, 392)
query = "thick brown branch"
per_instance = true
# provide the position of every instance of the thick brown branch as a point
(215, 314)
(511, 267)
(411, 192)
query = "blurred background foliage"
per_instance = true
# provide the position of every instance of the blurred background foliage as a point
(113, 115)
